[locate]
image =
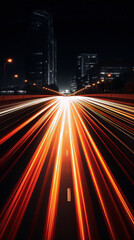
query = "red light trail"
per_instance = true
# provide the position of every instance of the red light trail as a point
(80, 141)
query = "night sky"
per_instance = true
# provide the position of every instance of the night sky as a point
(103, 27)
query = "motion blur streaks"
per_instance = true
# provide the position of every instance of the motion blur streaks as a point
(54, 144)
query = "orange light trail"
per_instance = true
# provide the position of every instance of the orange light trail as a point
(95, 137)
(54, 192)
(106, 169)
(79, 196)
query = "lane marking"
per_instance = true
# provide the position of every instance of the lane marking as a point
(68, 194)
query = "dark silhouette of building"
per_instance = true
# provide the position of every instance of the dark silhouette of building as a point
(42, 56)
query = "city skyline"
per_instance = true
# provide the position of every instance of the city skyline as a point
(104, 29)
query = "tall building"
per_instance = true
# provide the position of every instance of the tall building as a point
(85, 65)
(42, 56)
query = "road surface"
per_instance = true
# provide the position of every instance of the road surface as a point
(66, 169)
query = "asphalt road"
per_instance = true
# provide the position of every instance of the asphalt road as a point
(66, 169)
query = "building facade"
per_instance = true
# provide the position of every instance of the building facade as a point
(86, 64)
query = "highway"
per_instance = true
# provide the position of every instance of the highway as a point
(66, 169)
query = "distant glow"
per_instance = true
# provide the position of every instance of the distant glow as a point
(10, 60)
(16, 76)
(66, 91)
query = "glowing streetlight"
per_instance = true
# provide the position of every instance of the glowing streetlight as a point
(9, 60)
(102, 80)
(16, 76)
(34, 84)
(93, 84)
(98, 82)
(109, 74)
(25, 81)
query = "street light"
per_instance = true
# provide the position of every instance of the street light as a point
(25, 81)
(9, 60)
(14, 76)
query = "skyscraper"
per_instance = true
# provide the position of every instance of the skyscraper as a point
(85, 64)
(42, 58)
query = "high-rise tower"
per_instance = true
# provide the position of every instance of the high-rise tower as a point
(42, 57)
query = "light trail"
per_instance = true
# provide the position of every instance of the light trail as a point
(38, 125)
(99, 147)
(94, 126)
(25, 186)
(54, 192)
(9, 135)
(22, 105)
(79, 196)
(94, 178)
